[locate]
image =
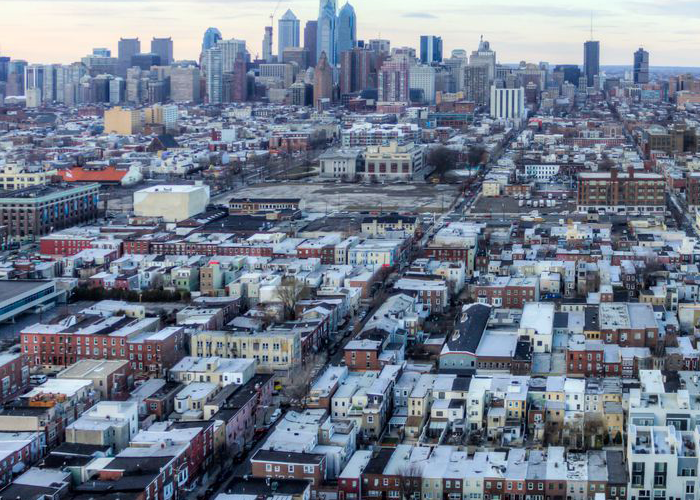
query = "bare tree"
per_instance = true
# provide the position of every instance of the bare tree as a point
(289, 293)
(301, 379)
(594, 430)
(410, 480)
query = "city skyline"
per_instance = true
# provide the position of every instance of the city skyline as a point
(543, 30)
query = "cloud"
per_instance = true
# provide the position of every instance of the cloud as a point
(419, 15)
(678, 8)
(535, 10)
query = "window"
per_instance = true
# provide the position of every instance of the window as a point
(290, 469)
(268, 467)
(308, 469)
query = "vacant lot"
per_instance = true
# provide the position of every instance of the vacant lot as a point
(331, 197)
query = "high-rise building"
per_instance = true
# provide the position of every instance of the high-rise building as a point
(239, 83)
(380, 46)
(211, 37)
(288, 28)
(102, 52)
(185, 84)
(4, 68)
(117, 91)
(212, 58)
(641, 66)
(507, 103)
(267, 45)
(476, 83)
(355, 70)
(484, 55)
(100, 64)
(323, 80)
(393, 80)
(297, 55)
(326, 31)
(421, 80)
(591, 61)
(346, 29)
(230, 49)
(145, 61)
(164, 48)
(16, 78)
(430, 49)
(567, 73)
(455, 70)
(34, 79)
(128, 47)
(310, 40)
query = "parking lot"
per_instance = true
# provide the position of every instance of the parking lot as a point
(330, 197)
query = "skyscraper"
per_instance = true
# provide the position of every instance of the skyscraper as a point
(380, 46)
(164, 48)
(641, 66)
(230, 49)
(310, 36)
(393, 80)
(211, 37)
(484, 55)
(476, 83)
(346, 29)
(4, 68)
(355, 70)
(145, 61)
(430, 49)
(212, 59)
(184, 84)
(591, 61)
(326, 31)
(288, 28)
(239, 84)
(323, 80)
(128, 47)
(421, 78)
(267, 44)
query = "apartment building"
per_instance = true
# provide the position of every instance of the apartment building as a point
(277, 352)
(615, 192)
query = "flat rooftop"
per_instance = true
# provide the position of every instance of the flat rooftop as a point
(10, 289)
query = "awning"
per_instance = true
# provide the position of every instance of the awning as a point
(398, 420)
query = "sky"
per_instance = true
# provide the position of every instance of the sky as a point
(63, 31)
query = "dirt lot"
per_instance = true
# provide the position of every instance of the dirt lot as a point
(328, 197)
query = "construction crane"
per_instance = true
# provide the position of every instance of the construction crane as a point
(272, 16)
(272, 19)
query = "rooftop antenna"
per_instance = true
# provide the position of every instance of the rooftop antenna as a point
(591, 25)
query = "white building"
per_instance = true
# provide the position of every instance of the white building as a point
(339, 163)
(213, 61)
(421, 77)
(542, 172)
(171, 202)
(229, 52)
(507, 104)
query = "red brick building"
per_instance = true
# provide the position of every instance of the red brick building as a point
(148, 349)
(289, 465)
(14, 375)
